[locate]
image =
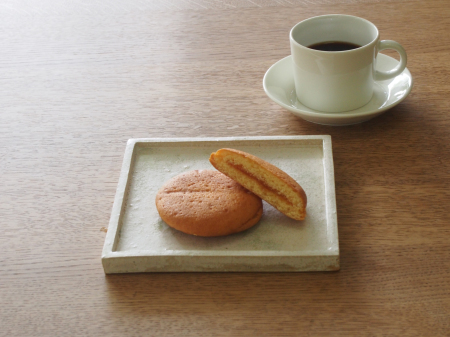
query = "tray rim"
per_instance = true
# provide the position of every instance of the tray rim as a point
(112, 236)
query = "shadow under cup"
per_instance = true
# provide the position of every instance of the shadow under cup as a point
(334, 81)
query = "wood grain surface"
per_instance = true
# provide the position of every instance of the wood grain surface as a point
(79, 78)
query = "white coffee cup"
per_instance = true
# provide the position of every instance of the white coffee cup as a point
(338, 81)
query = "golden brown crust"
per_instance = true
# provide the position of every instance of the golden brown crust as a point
(264, 179)
(207, 203)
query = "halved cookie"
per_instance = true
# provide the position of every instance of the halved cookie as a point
(264, 179)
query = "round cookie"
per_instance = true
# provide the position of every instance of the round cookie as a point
(207, 203)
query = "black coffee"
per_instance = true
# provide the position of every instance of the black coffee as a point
(334, 46)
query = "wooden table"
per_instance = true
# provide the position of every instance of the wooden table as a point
(79, 78)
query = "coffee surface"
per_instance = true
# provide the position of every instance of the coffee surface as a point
(334, 46)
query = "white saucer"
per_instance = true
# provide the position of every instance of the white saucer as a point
(279, 85)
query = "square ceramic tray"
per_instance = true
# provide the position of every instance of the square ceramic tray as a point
(139, 241)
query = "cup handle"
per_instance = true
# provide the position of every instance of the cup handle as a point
(385, 75)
